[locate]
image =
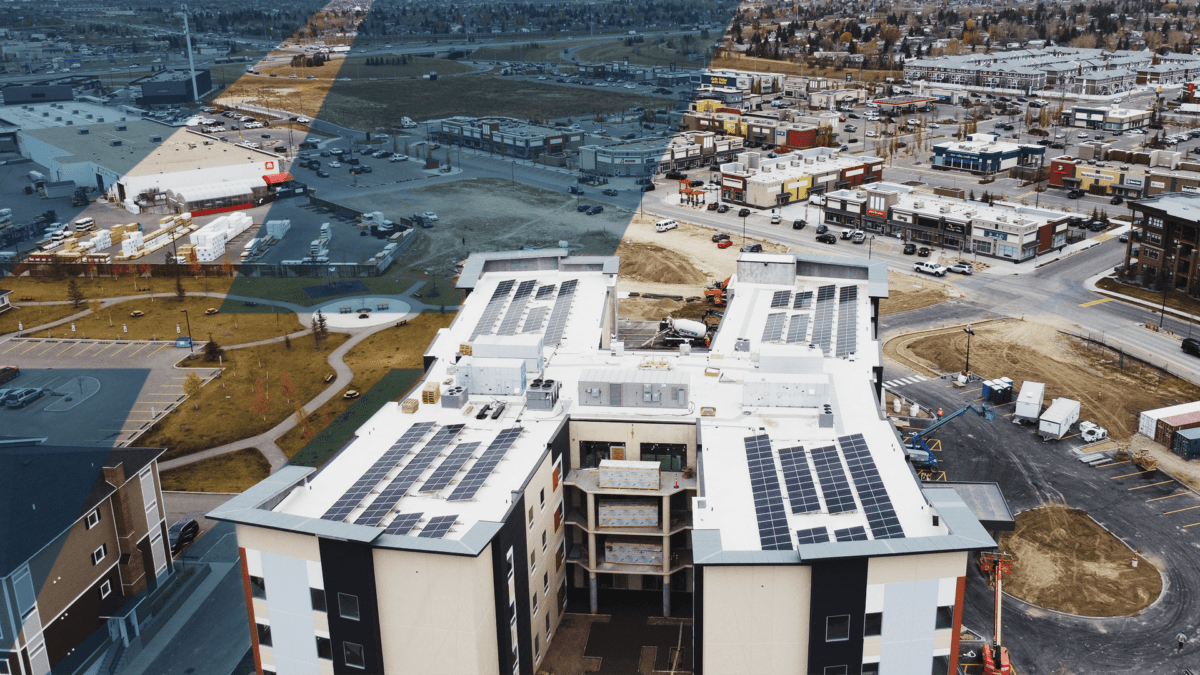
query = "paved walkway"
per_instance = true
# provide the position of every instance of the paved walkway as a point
(1091, 285)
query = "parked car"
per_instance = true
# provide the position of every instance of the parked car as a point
(776, 219)
(720, 236)
(930, 268)
(322, 174)
(827, 238)
(181, 534)
(1123, 237)
(724, 243)
(847, 232)
(1116, 200)
(751, 248)
(595, 209)
(1074, 194)
(923, 252)
(723, 208)
(799, 224)
(743, 213)
(430, 215)
(648, 187)
(1191, 346)
(610, 192)
(398, 158)
(23, 397)
(962, 268)
(859, 237)
(713, 206)
(583, 207)
(335, 165)
(822, 228)
(910, 249)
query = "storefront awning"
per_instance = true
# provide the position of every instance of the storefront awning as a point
(277, 178)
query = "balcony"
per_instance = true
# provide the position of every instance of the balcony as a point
(681, 559)
(679, 522)
(671, 482)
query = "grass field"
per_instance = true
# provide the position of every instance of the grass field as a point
(48, 289)
(640, 54)
(231, 472)
(32, 316)
(366, 105)
(394, 348)
(226, 405)
(161, 315)
(356, 68)
(546, 53)
(1175, 299)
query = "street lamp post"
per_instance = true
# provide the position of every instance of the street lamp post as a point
(743, 231)
(969, 333)
(870, 245)
(1162, 312)
(188, 317)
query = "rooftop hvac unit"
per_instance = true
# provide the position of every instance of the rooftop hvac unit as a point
(114, 141)
(45, 114)
(58, 119)
(919, 204)
(70, 122)
(82, 132)
(90, 116)
(156, 139)
(101, 119)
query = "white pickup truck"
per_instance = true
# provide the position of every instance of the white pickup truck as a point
(930, 268)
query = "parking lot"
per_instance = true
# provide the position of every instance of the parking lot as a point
(119, 387)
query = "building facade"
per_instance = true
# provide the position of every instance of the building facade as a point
(766, 182)
(645, 158)
(1107, 119)
(506, 137)
(167, 87)
(1164, 255)
(986, 154)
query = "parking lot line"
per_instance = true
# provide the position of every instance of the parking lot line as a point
(49, 347)
(127, 346)
(159, 349)
(1135, 473)
(1190, 525)
(1140, 487)
(140, 348)
(1167, 513)
(15, 344)
(1177, 494)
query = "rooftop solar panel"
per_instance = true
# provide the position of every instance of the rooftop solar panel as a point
(371, 477)
(768, 499)
(832, 477)
(816, 535)
(442, 475)
(856, 533)
(781, 299)
(558, 315)
(823, 318)
(533, 322)
(802, 491)
(773, 330)
(403, 523)
(545, 292)
(847, 335)
(438, 527)
(492, 311)
(797, 329)
(394, 491)
(484, 466)
(881, 516)
(803, 300)
(513, 317)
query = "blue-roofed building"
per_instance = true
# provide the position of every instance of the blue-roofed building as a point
(985, 153)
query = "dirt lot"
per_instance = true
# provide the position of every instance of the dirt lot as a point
(364, 105)
(680, 262)
(907, 292)
(494, 215)
(641, 54)
(551, 53)
(1033, 350)
(1063, 560)
(358, 69)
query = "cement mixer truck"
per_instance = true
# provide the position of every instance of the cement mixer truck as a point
(674, 332)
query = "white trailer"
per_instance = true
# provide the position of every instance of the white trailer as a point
(1148, 420)
(1056, 422)
(1029, 401)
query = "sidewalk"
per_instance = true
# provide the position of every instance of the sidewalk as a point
(1090, 284)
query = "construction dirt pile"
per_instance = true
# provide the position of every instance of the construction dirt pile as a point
(907, 292)
(654, 264)
(1112, 394)
(1063, 560)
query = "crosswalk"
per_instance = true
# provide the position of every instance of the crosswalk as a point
(892, 384)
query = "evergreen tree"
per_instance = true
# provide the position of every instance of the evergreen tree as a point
(212, 350)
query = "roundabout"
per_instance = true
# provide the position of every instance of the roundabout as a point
(357, 312)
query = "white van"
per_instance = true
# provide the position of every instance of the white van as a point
(664, 225)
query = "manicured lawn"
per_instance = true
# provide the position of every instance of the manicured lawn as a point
(161, 315)
(1175, 299)
(400, 348)
(31, 316)
(226, 405)
(48, 289)
(231, 472)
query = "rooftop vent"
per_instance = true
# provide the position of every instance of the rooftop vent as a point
(120, 127)
(58, 119)
(90, 116)
(82, 132)
(114, 141)
(101, 119)
(70, 122)
(156, 139)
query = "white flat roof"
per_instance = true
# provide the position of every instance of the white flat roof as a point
(58, 114)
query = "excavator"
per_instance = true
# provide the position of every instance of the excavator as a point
(995, 656)
(715, 293)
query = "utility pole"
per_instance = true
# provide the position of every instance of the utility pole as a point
(187, 38)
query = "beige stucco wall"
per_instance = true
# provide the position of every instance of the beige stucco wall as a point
(291, 544)
(632, 434)
(756, 619)
(437, 613)
(896, 569)
(543, 521)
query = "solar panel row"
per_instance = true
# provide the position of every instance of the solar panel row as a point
(512, 318)
(442, 475)
(488, 318)
(838, 496)
(768, 499)
(847, 337)
(816, 535)
(881, 516)
(403, 523)
(797, 329)
(438, 527)
(558, 315)
(395, 491)
(823, 318)
(856, 533)
(781, 299)
(773, 330)
(473, 481)
(545, 292)
(803, 300)
(802, 491)
(371, 477)
(533, 322)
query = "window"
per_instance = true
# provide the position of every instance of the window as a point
(544, 544)
(348, 606)
(558, 516)
(835, 670)
(546, 582)
(4, 670)
(537, 646)
(837, 628)
(535, 602)
(941, 665)
(93, 518)
(945, 617)
(532, 561)
(542, 498)
(264, 634)
(670, 456)
(105, 589)
(258, 588)
(531, 517)
(873, 625)
(318, 600)
(547, 626)
(354, 654)
(1151, 254)
(870, 669)
(99, 554)
(324, 648)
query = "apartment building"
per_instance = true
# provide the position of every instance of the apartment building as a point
(1165, 255)
(546, 465)
(85, 534)
(756, 179)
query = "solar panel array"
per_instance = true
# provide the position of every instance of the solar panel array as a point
(798, 329)
(371, 477)
(803, 300)
(533, 322)
(823, 320)
(881, 516)
(773, 331)
(838, 496)
(442, 475)
(513, 317)
(781, 299)
(768, 499)
(438, 527)
(484, 466)
(817, 535)
(847, 340)
(492, 311)
(558, 316)
(856, 533)
(802, 491)
(408, 476)
(545, 292)
(403, 523)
